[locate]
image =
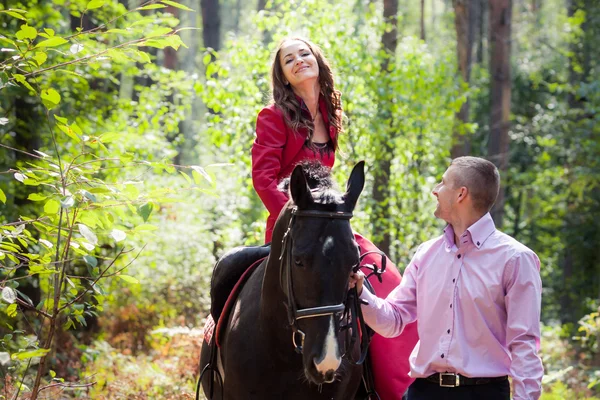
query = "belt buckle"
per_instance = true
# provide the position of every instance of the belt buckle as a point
(456, 379)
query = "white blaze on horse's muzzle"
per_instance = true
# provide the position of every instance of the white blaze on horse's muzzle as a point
(330, 359)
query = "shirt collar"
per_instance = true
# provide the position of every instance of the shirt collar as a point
(478, 232)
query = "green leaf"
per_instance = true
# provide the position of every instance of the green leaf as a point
(52, 374)
(40, 58)
(176, 5)
(2, 196)
(161, 31)
(50, 98)
(117, 30)
(144, 211)
(52, 42)
(61, 119)
(36, 197)
(24, 355)
(94, 4)
(11, 310)
(14, 15)
(145, 57)
(69, 132)
(145, 227)
(21, 79)
(90, 260)
(26, 32)
(128, 279)
(89, 196)
(151, 7)
(51, 207)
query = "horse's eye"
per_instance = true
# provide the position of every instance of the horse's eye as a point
(298, 262)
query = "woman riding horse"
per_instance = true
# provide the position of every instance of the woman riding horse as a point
(303, 123)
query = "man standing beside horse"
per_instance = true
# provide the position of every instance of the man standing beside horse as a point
(476, 293)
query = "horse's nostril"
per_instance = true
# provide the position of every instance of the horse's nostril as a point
(329, 375)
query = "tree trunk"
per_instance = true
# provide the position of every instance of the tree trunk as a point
(481, 10)
(261, 5)
(423, 20)
(211, 23)
(382, 166)
(464, 17)
(500, 91)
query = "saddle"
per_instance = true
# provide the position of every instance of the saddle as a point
(228, 271)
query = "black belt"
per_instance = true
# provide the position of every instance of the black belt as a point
(449, 379)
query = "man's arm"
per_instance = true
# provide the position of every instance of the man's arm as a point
(389, 316)
(523, 287)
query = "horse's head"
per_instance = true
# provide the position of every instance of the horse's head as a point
(318, 255)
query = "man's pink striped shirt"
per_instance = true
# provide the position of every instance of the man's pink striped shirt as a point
(478, 308)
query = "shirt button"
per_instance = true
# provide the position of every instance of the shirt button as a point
(448, 330)
(453, 280)
(442, 356)
(450, 305)
(478, 243)
(458, 256)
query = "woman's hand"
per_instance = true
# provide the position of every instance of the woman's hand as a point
(356, 280)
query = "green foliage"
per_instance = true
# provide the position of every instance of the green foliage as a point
(75, 192)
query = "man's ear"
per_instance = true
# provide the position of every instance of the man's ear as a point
(462, 193)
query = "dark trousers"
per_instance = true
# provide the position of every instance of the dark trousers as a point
(424, 390)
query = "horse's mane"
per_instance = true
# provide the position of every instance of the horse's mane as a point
(319, 180)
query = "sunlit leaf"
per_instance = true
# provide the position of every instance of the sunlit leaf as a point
(50, 98)
(36, 197)
(176, 5)
(67, 202)
(129, 279)
(52, 42)
(118, 235)
(51, 207)
(2, 196)
(26, 32)
(46, 243)
(95, 4)
(76, 48)
(88, 234)
(14, 15)
(11, 310)
(9, 295)
(24, 355)
(151, 7)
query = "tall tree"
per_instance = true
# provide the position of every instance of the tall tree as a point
(382, 167)
(500, 12)
(211, 23)
(423, 20)
(465, 20)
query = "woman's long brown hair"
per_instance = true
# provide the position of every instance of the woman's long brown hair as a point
(285, 98)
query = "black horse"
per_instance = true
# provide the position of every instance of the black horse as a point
(283, 338)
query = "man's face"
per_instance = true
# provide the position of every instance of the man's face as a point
(446, 194)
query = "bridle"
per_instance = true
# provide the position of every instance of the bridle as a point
(349, 310)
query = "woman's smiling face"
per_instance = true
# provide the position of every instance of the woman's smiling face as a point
(298, 62)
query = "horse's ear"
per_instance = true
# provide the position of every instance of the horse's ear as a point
(355, 185)
(299, 190)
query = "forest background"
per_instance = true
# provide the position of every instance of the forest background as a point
(125, 135)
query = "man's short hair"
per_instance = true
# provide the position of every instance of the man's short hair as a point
(482, 179)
